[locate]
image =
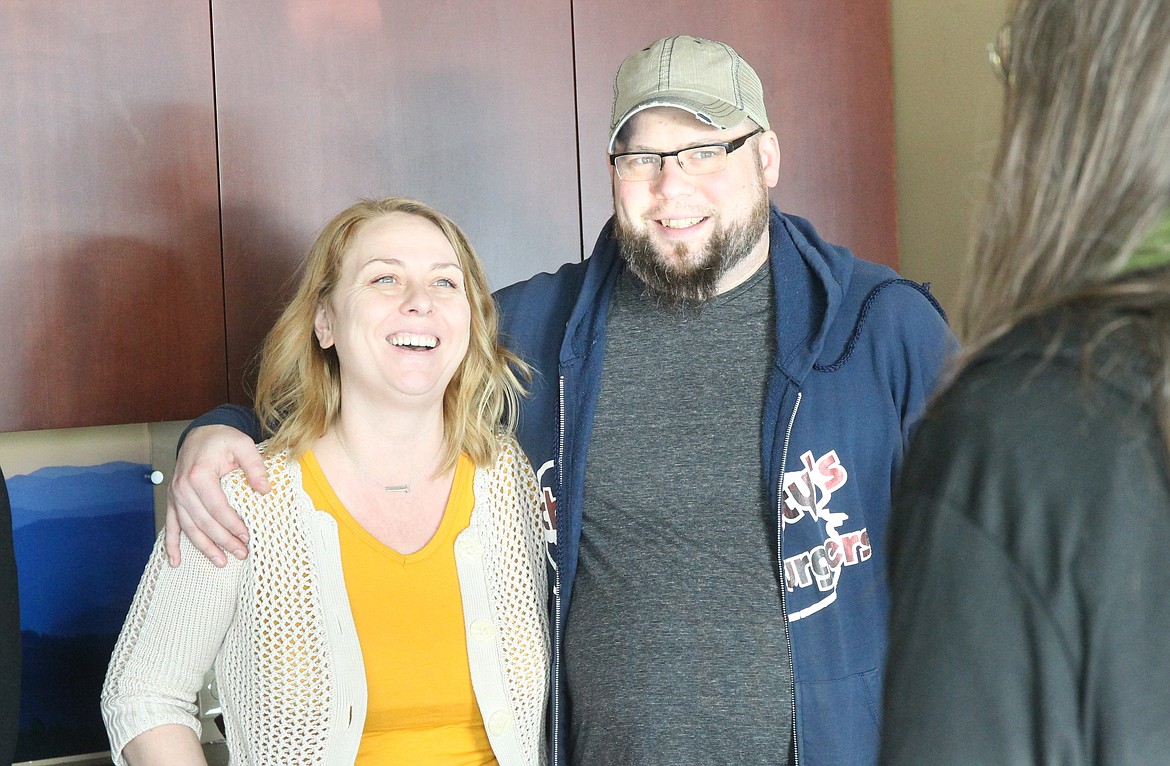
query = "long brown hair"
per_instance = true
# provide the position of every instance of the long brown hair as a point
(298, 388)
(1081, 177)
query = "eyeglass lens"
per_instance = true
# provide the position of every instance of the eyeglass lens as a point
(696, 161)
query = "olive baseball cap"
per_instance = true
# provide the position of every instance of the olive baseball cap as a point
(704, 77)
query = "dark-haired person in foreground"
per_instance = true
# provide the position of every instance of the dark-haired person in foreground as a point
(1032, 523)
(10, 628)
(721, 402)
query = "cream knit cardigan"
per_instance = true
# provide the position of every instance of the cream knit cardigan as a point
(278, 628)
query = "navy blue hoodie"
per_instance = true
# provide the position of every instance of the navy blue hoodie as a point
(858, 351)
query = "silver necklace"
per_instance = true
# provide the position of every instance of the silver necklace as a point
(361, 469)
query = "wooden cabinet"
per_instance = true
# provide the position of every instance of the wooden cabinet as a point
(110, 268)
(168, 163)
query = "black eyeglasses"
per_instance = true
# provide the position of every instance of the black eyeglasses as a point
(999, 53)
(694, 160)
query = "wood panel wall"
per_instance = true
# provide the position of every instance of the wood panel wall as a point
(110, 271)
(168, 163)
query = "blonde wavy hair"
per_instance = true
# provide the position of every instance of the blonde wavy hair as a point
(298, 387)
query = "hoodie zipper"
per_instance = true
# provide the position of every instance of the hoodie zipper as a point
(780, 560)
(556, 680)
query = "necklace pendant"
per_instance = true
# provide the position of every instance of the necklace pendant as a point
(405, 488)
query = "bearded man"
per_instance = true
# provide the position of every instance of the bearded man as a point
(720, 405)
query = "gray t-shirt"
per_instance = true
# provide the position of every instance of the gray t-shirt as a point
(674, 648)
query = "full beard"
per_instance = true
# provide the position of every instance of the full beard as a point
(670, 280)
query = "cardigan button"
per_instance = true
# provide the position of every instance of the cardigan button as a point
(500, 722)
(482, 631)
(470, 547)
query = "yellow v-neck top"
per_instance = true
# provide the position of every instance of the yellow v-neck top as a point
(409, 617)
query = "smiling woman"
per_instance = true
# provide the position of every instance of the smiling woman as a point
(398, 319)
(402, 521)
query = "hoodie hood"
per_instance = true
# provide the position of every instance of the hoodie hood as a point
(810, 277)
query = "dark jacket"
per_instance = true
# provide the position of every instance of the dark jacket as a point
(858, 352)
(1030, 535)
(10, 627)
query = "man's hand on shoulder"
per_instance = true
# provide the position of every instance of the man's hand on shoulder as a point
(196, 504)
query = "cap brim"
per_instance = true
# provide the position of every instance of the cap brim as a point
(718, 113)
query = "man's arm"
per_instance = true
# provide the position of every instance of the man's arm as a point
(215, 444)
